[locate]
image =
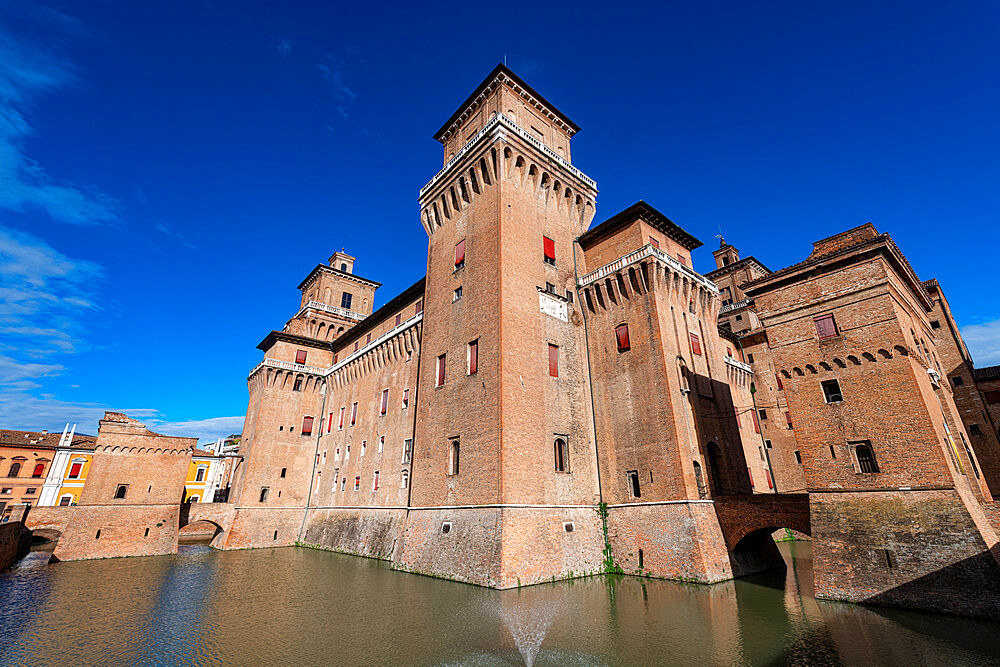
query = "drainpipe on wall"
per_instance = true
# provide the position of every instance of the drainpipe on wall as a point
(312, 476)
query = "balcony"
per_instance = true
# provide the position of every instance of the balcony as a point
(735, 306)
(342, 312)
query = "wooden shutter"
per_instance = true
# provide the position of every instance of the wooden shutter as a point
(406, 397)
(767, 474)
(756, 424)
(653, 242)
(440, 371)
(329, 423)
(695, 343)
(354, 414)
(420, 307)
(399, 318)
(473, 357)
(300, 357)
(788, 419)
(621, 337)
(825, 326)
(750, 473)
(460, 253)
(737, 411)
(778, 378)
(554, 361)
(549, 248)
(307, 425)
(385, 400)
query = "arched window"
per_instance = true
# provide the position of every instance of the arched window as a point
(200, 475)
(39, 470)
(121, 491)
(453, 462)
(15, 468)
(561, 455)
(284, 471)
(866, 458)
(715, 463)
(700, 481)
(343, 267)
(404, 479)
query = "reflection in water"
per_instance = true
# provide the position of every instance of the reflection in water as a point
(312, 607)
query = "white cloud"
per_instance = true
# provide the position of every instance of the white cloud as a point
(984, 342)
(206, 429)
(28, 70)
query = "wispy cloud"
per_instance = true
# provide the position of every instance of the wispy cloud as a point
(984, 342)
(166, 229)
(208, 429)
(29, 70)
(284, 45)
(331, 71)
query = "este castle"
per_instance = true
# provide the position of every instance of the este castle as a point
(556, 399)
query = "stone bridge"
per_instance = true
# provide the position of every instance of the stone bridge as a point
(747, 522)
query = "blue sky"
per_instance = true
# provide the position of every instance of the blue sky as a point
(169, 172)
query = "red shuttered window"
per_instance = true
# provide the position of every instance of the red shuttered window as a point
(737, 411)
(307, 425)
(399, 318)
(750, 473)
(329, 423)
(439, 380)
(473, 357)
(788, 419)
(341, 424)
(385, 402)
(825, 327)
(767, 474)
(549, 250)
(621, 338)
(695, 343)
(554, 361)
(74, 470)
(460, 254)
(300, 357)
(653, 242)
(756, 424)
(419, 308)
(777, 377)
(354, 414)
(406, 397)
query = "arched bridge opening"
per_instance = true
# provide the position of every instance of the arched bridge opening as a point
(749, 522)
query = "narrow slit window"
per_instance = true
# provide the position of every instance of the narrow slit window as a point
(554, 361)
(561, 455)
(632, 477)
(439, 379)
(354, 413)
(406, 398)
(473, 357)
(453, 459)
(384, 405)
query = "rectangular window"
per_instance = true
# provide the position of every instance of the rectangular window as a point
(695, 343)
(737, 411)
(406, 398)
(763, 414)
(340, 424)
(750, 473)
(992, 397)
(767, 476)
(653, 242)
(407, 450)
(356, 344)
(385, 402)
(74, 470)
(375, 482)
(399, 318)
(29, 491)
(975, 430)
(680, 258)
(550, 288)
(263, 494)
(756, 423)
(553, 361)
(473, 357)
(798, 457)
(749, 358)
(307, 425)
(621, 337)
(957, 380)
(345, 300)
(549, 250)
(354, 413)
(368, 339)
(460, 254)
(788, 419)
(831, 391)
(300, 356)
(632, 476)
(826, 327)
(381, 443)
(298, 384)
(419, 308)
(439, 378)
(329, 423)
(777, 377)
(357, 482)
(335, 354)
(457, 294)
(364, 447)
(935, 324)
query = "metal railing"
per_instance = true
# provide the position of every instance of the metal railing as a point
(642, 253)
(495, 122)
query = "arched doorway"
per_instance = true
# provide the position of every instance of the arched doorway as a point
(201, 531)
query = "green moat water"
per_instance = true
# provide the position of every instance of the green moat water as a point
(302, 606)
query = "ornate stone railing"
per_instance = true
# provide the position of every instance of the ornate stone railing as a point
(737, 364)
(343, 312)
(735, 306)
(289, 366)
(642, 253)
(498, 121)
(402, 326)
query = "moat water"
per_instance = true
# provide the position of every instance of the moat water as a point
(307, 607)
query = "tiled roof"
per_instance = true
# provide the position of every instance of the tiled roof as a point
(47, 440)
(988, 373)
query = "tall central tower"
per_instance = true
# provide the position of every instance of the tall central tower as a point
(504, 454)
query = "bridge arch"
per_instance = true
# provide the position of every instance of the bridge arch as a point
(748, 522)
